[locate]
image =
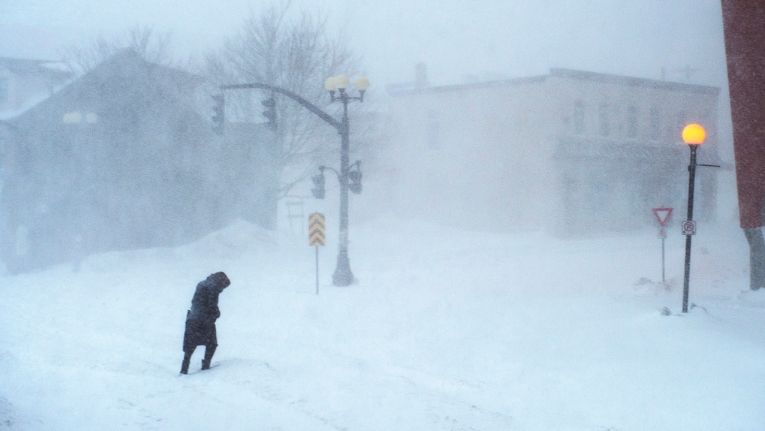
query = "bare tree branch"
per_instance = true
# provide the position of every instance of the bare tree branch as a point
(291, 50)
(153, 47)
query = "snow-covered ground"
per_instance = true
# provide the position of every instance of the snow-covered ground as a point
(445, 330)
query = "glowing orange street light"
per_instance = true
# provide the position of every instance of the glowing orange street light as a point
(694, 134)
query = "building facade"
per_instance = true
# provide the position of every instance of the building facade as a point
(125, 157)
(570, 152)
(744, 23)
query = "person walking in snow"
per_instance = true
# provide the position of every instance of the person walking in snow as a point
(200, 320)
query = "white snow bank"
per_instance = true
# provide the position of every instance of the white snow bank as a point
(444, 330)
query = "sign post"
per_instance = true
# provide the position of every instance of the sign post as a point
(316, 238)
(662, 216)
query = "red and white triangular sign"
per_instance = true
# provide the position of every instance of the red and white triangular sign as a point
(662, 215)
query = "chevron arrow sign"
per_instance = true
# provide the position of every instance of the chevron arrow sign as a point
(316, 229)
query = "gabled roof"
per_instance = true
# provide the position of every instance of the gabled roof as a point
(24, 66)
(127, 64)
(122, 77)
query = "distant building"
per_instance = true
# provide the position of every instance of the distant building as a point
(124, 157)
(570, 152)
(25, 82)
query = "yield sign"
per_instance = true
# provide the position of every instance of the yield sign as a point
(662, 215)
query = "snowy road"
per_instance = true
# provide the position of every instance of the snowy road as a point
(445, 330)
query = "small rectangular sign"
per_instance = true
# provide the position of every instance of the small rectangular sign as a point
(316, 229)
(689, 227)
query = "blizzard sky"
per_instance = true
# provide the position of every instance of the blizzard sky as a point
(455, 38)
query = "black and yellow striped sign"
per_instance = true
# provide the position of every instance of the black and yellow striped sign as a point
(316, 229)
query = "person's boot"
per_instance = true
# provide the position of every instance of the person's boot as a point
(209, 352)
(185, 363)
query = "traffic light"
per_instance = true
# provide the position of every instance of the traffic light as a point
(270, 112)
(354, 181)
(219, 113)
(318, 186)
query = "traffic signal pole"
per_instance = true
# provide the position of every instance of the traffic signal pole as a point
(342, 275)
(300, 100)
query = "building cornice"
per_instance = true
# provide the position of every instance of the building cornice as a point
(580, 75)
(633, 81)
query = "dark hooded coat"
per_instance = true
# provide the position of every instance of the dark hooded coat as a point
(200, 320)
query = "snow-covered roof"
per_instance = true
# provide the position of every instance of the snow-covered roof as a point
(410, 88)
(124, 73)
(25, 66)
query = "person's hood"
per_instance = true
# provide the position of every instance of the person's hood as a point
(219, 280)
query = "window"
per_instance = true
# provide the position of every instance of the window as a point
(632, 122)
(605, 126)
(655, 123)
(681, 119)
(3, 90)
(433, 131)
(579, 117)
(22, 240)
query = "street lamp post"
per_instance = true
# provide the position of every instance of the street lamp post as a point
(337, 88)
(693, 135)
(348, 177)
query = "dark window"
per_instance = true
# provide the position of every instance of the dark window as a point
(681, 119)
(434, 131)
(680, 122)
(579, 117)
(655, 122)
(3, 90)
(605, 126)
(632, 122)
